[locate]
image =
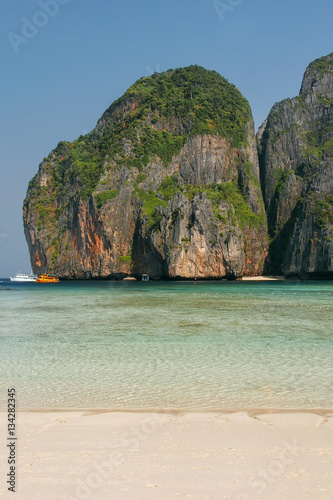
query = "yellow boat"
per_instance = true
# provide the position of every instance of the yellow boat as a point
(46, 278)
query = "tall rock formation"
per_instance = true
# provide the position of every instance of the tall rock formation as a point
(296, 168)
(167, 184)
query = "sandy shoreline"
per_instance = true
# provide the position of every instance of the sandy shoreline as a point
(241, 455)
(263, 278)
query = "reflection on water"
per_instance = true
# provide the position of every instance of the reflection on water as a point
(174, 345)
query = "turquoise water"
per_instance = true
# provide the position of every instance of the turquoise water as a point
(150, 345)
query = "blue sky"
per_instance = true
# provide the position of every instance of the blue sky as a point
(65, 61)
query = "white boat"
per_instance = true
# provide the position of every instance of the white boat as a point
(23, 277)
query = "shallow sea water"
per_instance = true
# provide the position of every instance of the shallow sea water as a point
(132, 345)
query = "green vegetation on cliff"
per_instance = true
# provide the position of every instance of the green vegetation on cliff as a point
(323, 65)
(317, 143)
(323, 211)
(202, 102)
(101, 198)
(228, 192)
(153, 118)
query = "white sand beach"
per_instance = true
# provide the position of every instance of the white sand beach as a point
(145, 455)
(263, 278)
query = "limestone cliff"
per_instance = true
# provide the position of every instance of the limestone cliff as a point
(167, 184)
(296, 168)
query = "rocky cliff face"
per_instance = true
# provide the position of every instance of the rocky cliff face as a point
(296, 168)
(167, 184)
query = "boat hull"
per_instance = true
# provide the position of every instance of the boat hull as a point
(45, 278)
(24, 278)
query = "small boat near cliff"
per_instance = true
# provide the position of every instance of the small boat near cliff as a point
(47, 278)
(24, 278)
